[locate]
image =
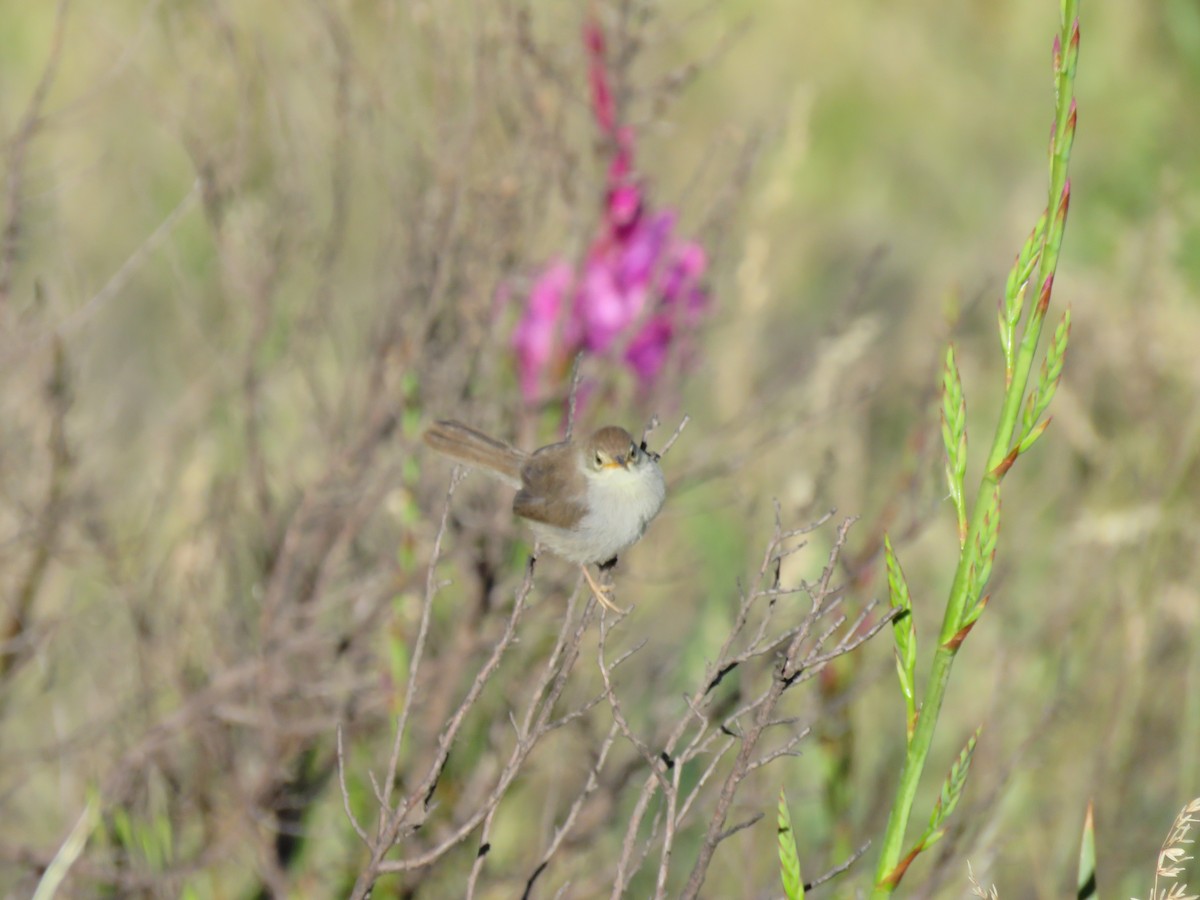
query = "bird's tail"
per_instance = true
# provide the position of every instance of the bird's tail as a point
(473, 448)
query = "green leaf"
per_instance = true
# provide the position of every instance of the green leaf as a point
(1013, 304)
(983, 551)
(70, 850)
(1048, 379)
(972, 615)
(905, 632)
(122, 827)
(952, 789)
(954, 435)
(160, 840)
(1032, 437)
(1066, 57)
(1054, 237)
(979, 568)
(1086, 884)
(789, 859)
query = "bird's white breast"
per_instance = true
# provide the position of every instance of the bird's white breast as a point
(621, 503)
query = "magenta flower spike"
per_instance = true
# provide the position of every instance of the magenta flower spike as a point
(603, 105)
(640, 294)
(538, 338)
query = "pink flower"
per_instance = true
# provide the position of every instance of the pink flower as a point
(647, 352)
(624, 207)
(682, 280)
(602, 308)
(603, 106)
(642, 252)
(536, 339)
(641, 288)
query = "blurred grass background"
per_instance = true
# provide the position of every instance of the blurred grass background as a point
(219, 199)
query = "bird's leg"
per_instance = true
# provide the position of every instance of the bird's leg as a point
(606, 574)
(600, 592)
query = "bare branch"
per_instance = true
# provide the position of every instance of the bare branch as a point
(120, 278)
(573, 392)
(651, 760)
(839, 868)
(560, 833)
(675, 435)
(741, 826)
(762, 717)
(341, 770)
(418, 651)
(394, 821)
(31, 121)
(485, 845)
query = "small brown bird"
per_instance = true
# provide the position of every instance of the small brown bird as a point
(584, 500)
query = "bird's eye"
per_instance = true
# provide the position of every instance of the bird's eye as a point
(599, 458)
(633, 450)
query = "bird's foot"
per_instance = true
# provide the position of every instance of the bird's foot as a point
(601, 593)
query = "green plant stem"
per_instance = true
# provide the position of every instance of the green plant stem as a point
(935, 694)
(943, 659)
(1000, 457)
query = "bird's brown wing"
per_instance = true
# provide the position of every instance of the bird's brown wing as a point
(553, 489)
